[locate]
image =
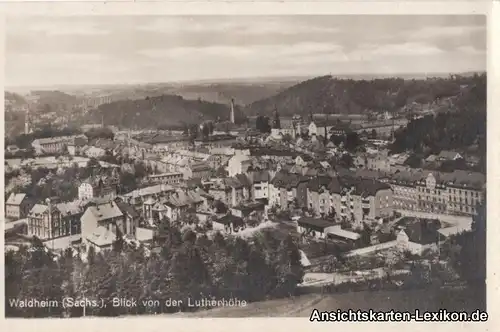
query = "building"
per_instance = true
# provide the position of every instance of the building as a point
(17, 206)
(229, 224)
(131, 216)
(138, 196)
(287, 190)
(55, 144)
(229, 191)
(166, 178)
(419, 237)
(456, 193)
(448, 156)
(94, 152)
(260, 184)
(102, 224)
(345, 198)
(314, 227)
(44, 222)
(238, 164)
(199, 170)
(98, 186)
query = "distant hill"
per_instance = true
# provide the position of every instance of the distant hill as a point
(161, 111)
(327, 94)
(54, 100)
(14, 99)
(242, 93)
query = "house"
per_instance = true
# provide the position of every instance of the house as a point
(418, 237)
(55, 144)
(179, 202)
(238, 164)
(448, 155)
(166, 178)
(98, 186)
(138, 196)
(44, 221)
(326, 127)
(245, 209)
(349, 198)
(94, 152)
(229, 191)
(131, 217)
(200, 170)
(17, 206)
(260, 184)
(70, 214)
(314, 227)
(101, 223)
(228, 224)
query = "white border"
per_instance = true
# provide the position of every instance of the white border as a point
(289, 8)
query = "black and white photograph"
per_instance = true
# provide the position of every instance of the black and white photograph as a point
(244, 165)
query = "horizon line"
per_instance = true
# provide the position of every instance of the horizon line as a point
(247, 79)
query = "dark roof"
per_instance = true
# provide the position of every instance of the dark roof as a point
(231, 219)
(423, 232)
(321, 223)
(243, 179)
(259, 176)
(127, 208)
(367, 187)
(287, 180)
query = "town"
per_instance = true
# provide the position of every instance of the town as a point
(244, 166)
(330, 182)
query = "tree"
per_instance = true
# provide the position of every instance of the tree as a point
(366, 235)
(352, 141)
(290, 270)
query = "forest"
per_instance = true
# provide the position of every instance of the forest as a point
(165, 111)
(327, 94)
(186, 266)
(463, 130)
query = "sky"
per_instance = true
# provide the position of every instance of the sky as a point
(45, 51)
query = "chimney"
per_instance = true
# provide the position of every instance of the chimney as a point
(232, 110)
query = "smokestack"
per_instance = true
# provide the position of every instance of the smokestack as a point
(232, 110)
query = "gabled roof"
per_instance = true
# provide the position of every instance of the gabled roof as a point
(449, 155)
(104, 211)
(321, 223)
(259, 176)
(127, 209)
(102, 237)
(70, 208)
(230, 219)
(16, 199)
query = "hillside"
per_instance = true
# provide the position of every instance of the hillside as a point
(348, 96)
(49, 101)
(242, 92)
(302, 306)
(153, 112)
(14, 99)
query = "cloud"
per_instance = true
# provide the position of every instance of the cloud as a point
(243, 25)
(401, 49)
(57, 27)
(432, 32)
(249, 51)
(470, 50)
